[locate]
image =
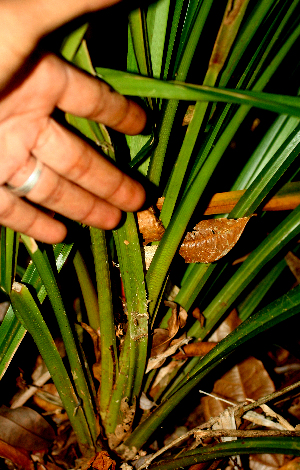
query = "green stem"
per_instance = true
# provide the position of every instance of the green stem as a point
(157, 160)
(87, 290)
(28, 313)
(132, 274)
(283, 308)
(108, 343)
(47, 276)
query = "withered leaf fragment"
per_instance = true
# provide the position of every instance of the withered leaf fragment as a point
(150, 226)
(102, 461)
(211, 239)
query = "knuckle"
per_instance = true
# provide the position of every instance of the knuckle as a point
(7, 206)
(117, 187)
(10, 213)
(54, 195)
(79, 167)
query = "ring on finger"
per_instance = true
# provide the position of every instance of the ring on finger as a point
(30, 183)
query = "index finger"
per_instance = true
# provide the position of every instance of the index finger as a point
(91, 98)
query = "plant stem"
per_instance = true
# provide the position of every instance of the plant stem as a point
(27, 311)
(88, 291)
(45, 271)
(108, 344)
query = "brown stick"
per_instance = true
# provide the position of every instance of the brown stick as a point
(239, 410)
(286, 199)
(202, 434)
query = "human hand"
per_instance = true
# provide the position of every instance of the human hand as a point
(74, 179)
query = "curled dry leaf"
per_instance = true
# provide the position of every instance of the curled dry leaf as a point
(178, 318)
(155, 362)
(211, 239)
(162, 337)
(150, 226)
(160, 342)
(199, 316)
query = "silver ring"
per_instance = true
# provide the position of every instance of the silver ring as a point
(29, 183)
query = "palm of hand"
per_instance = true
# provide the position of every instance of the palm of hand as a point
(75, 181)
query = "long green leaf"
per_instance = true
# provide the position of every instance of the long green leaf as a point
(28, 313)
(285, 307)
(11, 334)
(253, 445)
(157, 20)
(134, 85)
(44, 269)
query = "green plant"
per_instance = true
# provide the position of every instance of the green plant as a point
(178, 53)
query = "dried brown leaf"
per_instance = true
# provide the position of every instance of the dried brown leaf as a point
(182, 317)
(102, 461)
(95, 336)
(161, 379)
(266, 461)
(211, 239)
(19, 457)
(173, 323)
(150, 226)
(293, 464)
(160, 202)
(294, 264)
(157, 361)
(160, 342)
(149, 252)
(199, 316)
(294, 409)
(248, 379)
(163, 337)
(23, 427)
(195, 349)
(178, 318)
(227, 326)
